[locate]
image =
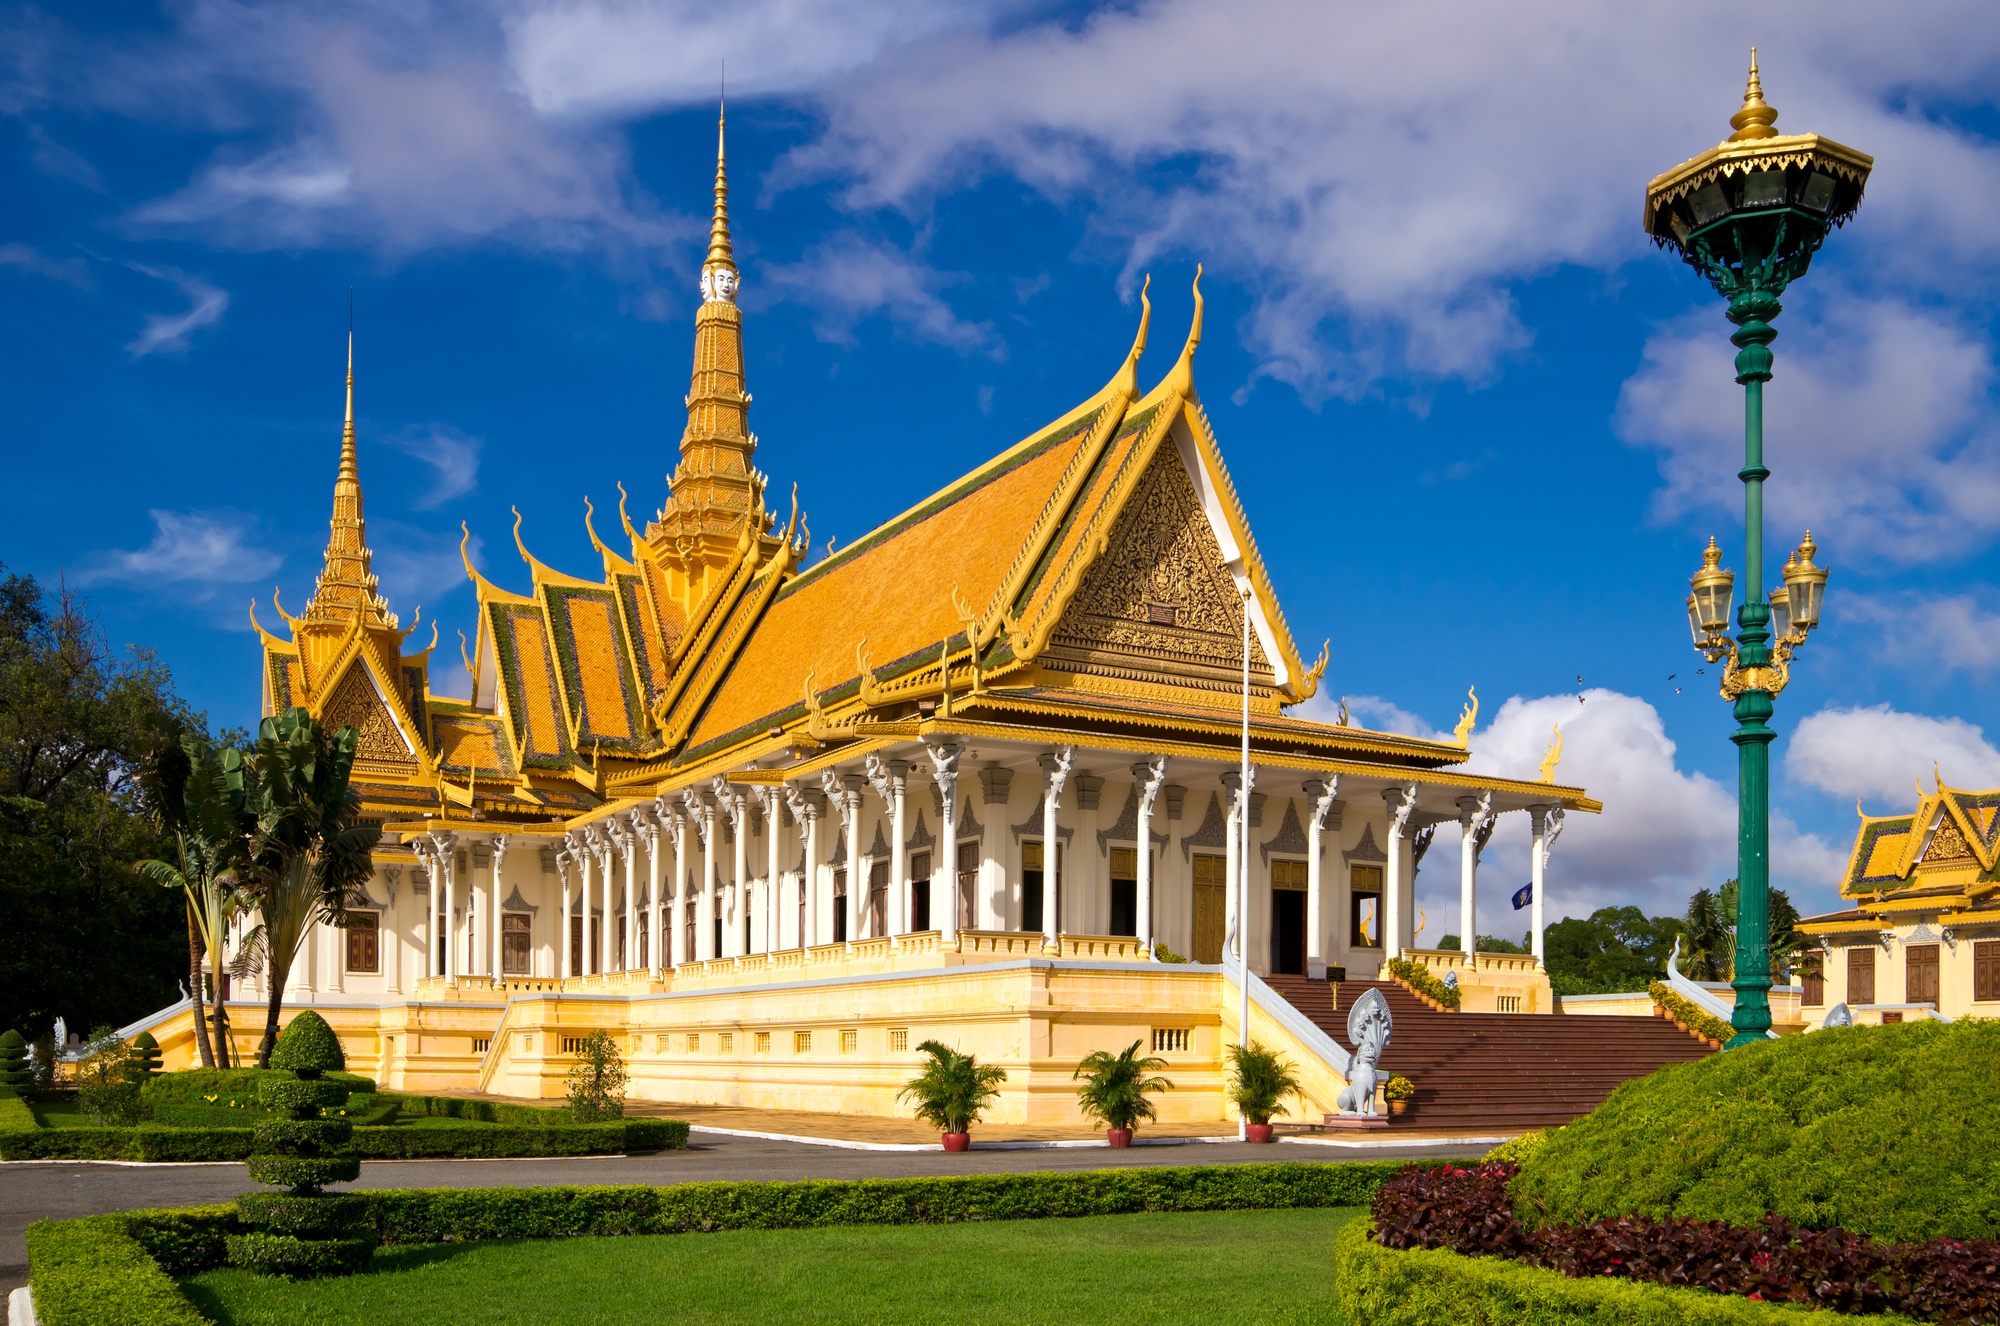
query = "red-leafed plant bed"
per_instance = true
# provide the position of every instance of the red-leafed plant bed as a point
(1468, 1210)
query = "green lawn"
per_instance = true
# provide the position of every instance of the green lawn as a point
(1205, 1269)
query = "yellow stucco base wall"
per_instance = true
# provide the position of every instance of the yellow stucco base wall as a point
(831, 1045)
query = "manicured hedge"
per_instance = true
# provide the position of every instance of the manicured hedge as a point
(1882, 1131)
(1420, 979)
(193, 1086)
(15, 1114)
(1379, 1286)
(483, 1111)
(92, 1272)
(151, 1142)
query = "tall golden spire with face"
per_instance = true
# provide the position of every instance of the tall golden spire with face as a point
(717, 496)
(347, 586)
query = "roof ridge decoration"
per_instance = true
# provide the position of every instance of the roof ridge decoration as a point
(613, 563)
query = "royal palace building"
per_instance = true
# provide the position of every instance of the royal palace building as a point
(977, 776)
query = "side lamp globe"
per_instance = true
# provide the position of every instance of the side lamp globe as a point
(1712, 589)
(1805, 584)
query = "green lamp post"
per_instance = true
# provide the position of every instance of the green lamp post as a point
(1748, 215)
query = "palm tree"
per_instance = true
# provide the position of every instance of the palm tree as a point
(1115, 1086)
(1707, 938)
(192, 806)
(1259, 1081)
(953, 1088)
(306, 848)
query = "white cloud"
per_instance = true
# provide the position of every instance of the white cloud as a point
(1371, 712)
(1939, 633)
(847, 279)
(1883, 755)
(1664, 833)
(202, 550)
(1878, 428)
(206, 305)
(452, 455)
(27, 259)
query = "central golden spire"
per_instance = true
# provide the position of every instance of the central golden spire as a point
(347, 584)
(717, 496)
(1757, 116)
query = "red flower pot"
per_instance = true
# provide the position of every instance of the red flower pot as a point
(1256, 1132)
(1119, 1136)
(958, 1141)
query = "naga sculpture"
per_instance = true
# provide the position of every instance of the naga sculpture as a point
(1368, 1026)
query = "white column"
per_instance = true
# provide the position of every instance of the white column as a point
(1401, 801)
(736, 807)
(677, 824)
(564, 859)
(1472, 813)
(392, 938)
(944, 762)
(499, 858)
(835, 788)
(628, 844)
(1547, 824)
(607, 938)
(774, 821)
(1151, 776)
(806, 810)
(648, 823)
(1319, 804)
(444, 845)
(1055, 773)
(704, 901)
(580, 851)
(889, 778)
(1235, 812)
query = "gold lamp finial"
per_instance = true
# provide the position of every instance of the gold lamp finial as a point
(1757, 116)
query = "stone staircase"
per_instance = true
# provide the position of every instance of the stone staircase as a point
(1498, 1072)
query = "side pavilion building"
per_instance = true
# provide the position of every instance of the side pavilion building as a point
(976, 776)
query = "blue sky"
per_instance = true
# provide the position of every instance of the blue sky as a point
(1482, 430)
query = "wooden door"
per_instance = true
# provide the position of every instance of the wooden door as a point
(968, 886)
(920, 892)
(514, 944)
(878, 899)
(1860, 976)
(1920, 974)
(1986, 970)
(1210, 874)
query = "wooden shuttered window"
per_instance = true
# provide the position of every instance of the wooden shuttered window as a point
(364, 942)
(1813, 978)
(1986, 970)
(1920, 974)
(1861, 976)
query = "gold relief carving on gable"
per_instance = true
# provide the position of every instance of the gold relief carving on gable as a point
(355, 704)
(1947, 844)
(1160, 588)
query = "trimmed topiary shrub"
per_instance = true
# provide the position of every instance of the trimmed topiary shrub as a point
(1882, 1131)
(305, 1232)
(14, 1075)
(145, 1060)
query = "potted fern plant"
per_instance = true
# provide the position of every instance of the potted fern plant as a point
(1259, 1081)
(952, 1091)
(1115, 1087)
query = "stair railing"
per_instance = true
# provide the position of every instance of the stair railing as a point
(1698, 995)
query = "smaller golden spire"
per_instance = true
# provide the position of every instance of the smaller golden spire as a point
(1757, 116)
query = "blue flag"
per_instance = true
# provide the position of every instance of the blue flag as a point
(1523, 896)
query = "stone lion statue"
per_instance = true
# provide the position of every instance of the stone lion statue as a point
(1368, 1026)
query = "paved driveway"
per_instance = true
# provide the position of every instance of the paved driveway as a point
(36, 1190)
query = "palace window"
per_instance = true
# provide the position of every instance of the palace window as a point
(968, 885)
(1812, 979)
(1211, 874)
(920, 891)
(660, 1043)
(1031, 885)
(694, 1042)
(1364, 909)
(1986, 969)
(1124, 891)
(1861, 975)
(840, 904)
(726, 1041)
(573, 1044)
(802, 1042)
(514, 944)
(850, 1041)
(481, 1044)
(763, 1042)
(1507, 1003)
(899, 1039)
(1920, 974)
(364, 942)
(1172, 1040)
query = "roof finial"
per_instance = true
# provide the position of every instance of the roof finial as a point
(350, 467)
(719, 253)
(1756, 117)
(1181, 378)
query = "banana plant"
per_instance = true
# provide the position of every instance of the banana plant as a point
(193, 808)
(306, 847)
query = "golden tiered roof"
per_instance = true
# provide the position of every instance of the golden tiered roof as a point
(1087, 585)
(1943, 857)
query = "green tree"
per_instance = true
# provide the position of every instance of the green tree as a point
(1613, 949)
(92, 941)
(597, 1080)
(1788, 946)
(191, 802)
(307, 848)
(1709, 940)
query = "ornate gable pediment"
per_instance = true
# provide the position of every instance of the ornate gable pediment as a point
(356, 702)
(1158, 604)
